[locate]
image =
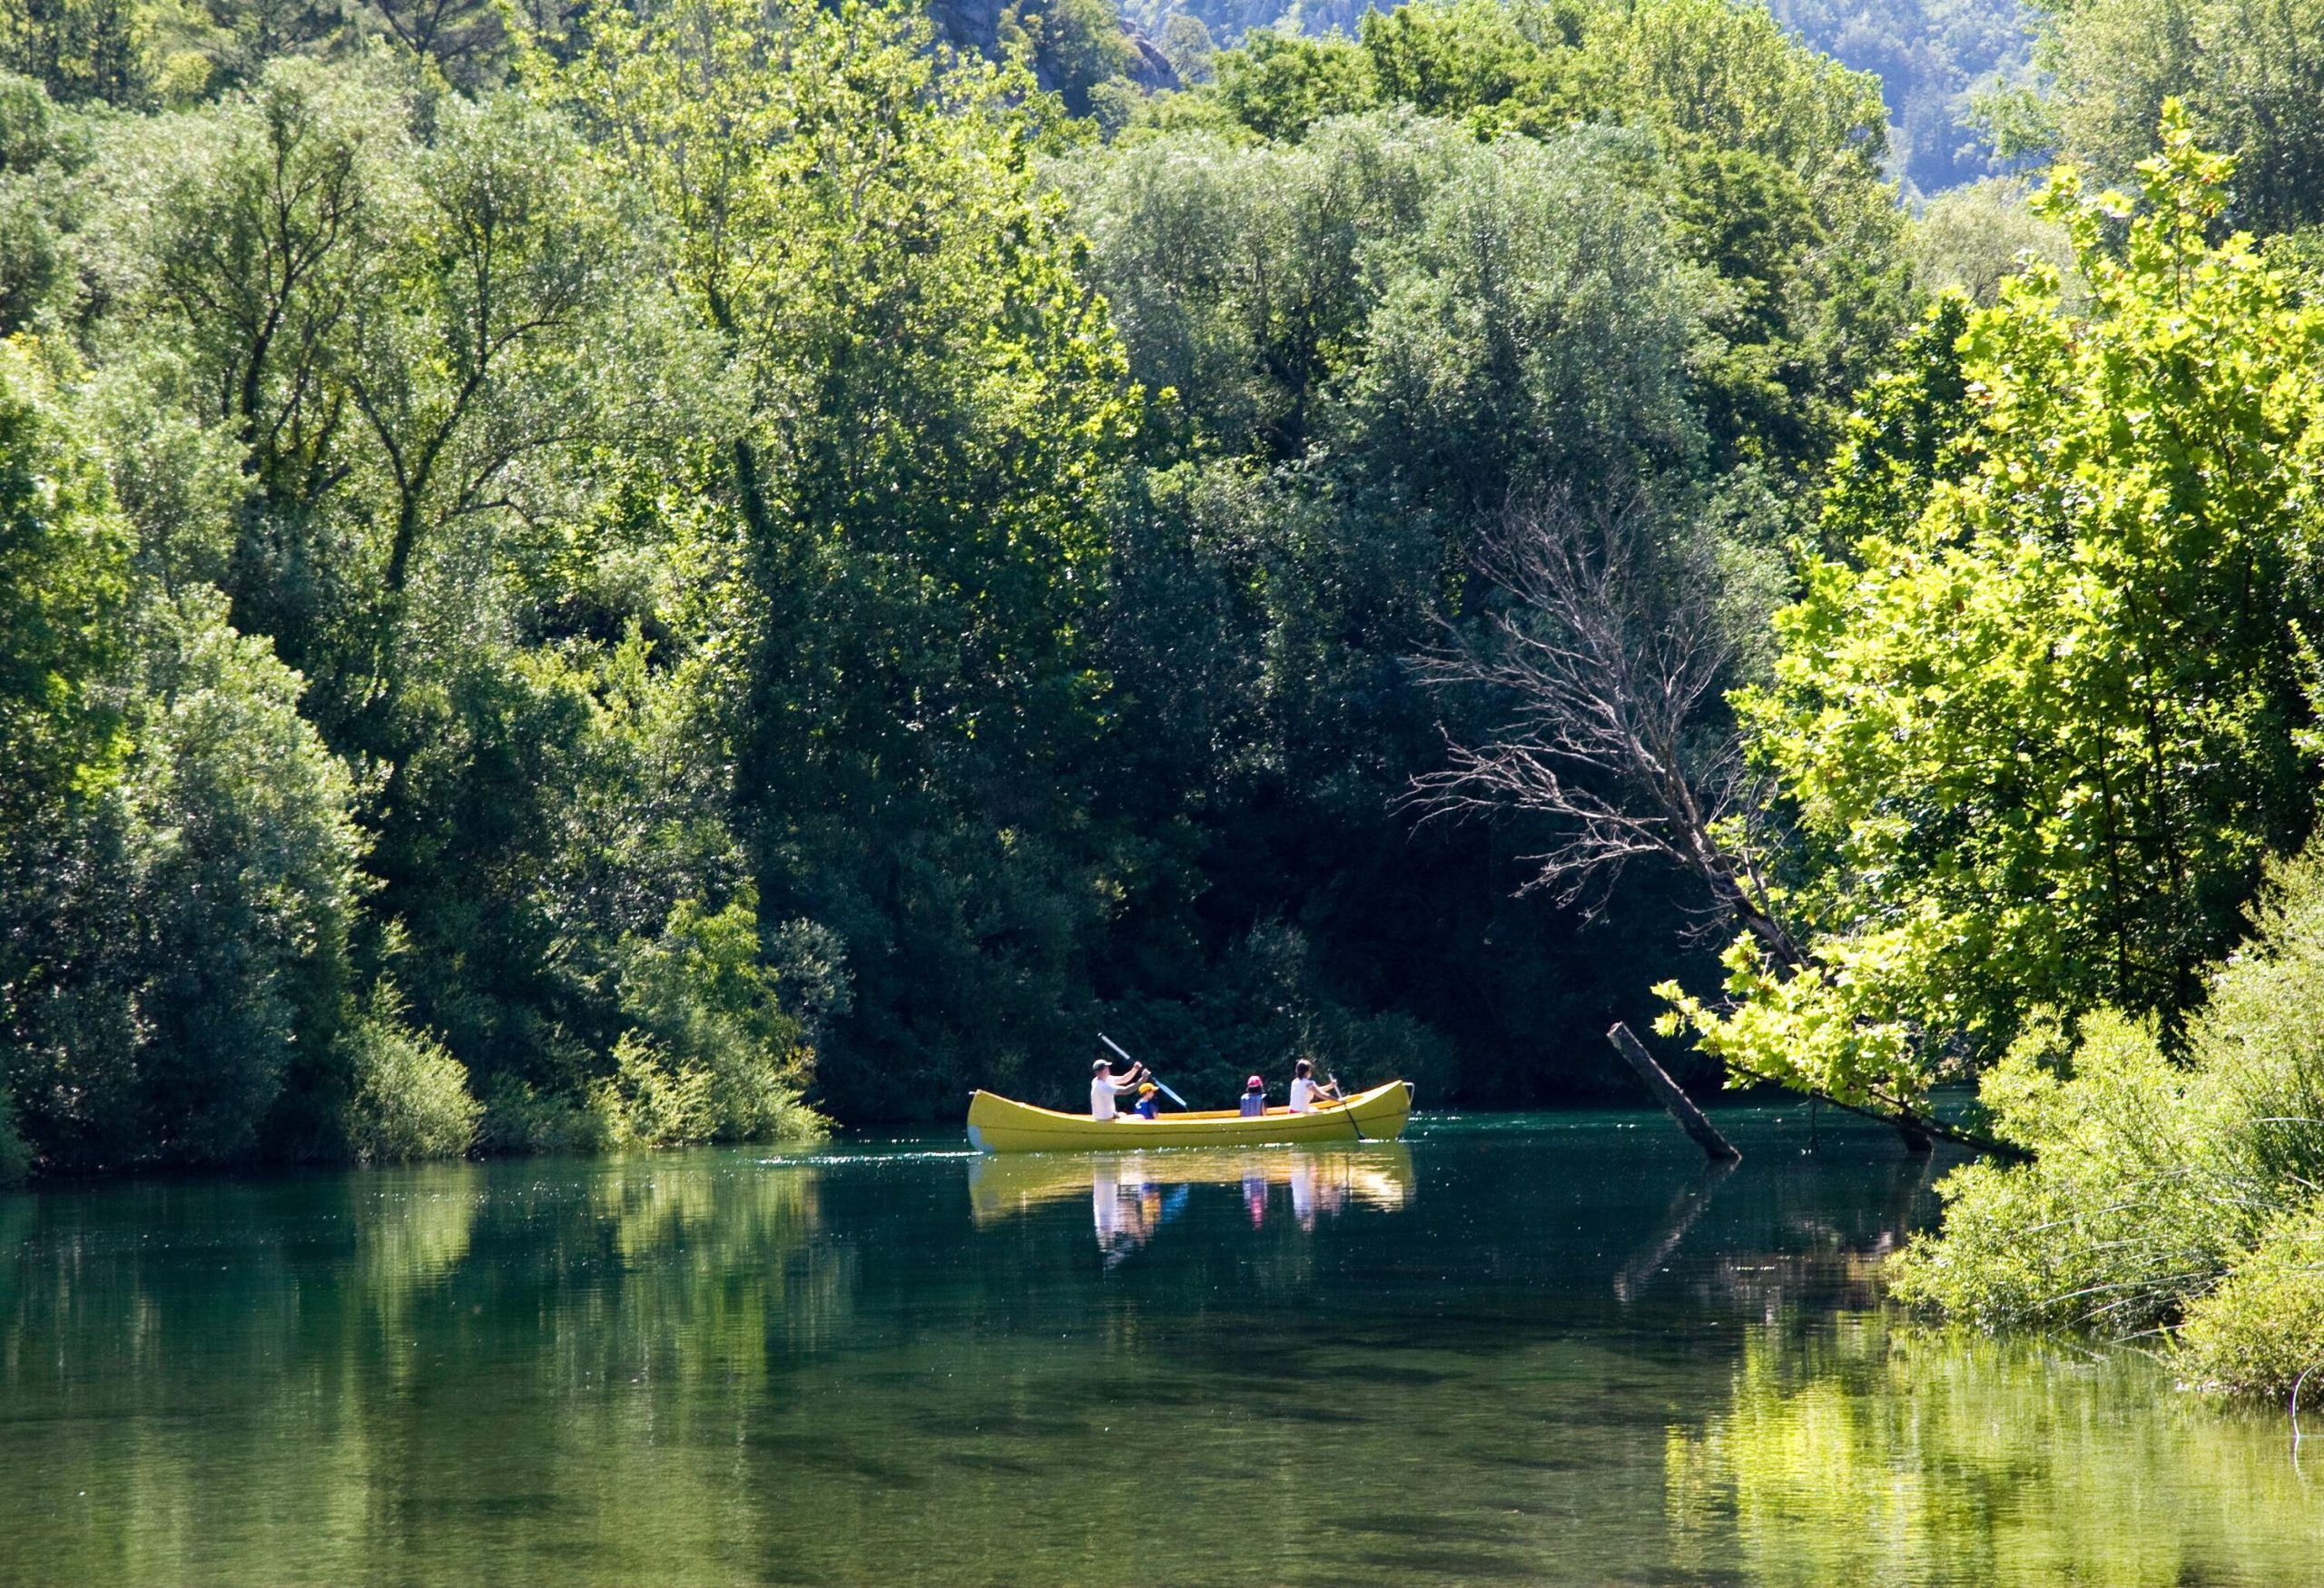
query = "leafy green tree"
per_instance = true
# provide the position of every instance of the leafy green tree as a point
(1775, 177)
(1732, 75)
(1516, 67)
(1237, 274)
(64, 554)
(467, 41)
(1278, 84)
(390, 331)
(930, 409)
(199, 956)
(2043, 718)
(64, 591)
(1074, 45)
(1533, 327)
(242, 237)
(183, 859)
(2243, 70)
(1766, 156)
(1971, 238)
(1187, 45)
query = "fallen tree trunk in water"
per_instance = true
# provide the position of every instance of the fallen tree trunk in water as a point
(1671, 1096)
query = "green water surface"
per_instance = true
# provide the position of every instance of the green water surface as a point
(1547, 1349)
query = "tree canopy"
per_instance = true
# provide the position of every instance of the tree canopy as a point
(673, 572)
(2046, 704)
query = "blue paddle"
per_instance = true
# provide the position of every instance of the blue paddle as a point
(1157, 1079)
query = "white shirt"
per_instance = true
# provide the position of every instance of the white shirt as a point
(1101, 1097)
(1302, 1095)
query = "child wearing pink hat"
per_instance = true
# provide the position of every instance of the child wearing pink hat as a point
(1255, 1098)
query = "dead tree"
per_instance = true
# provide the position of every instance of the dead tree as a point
(1611, 650)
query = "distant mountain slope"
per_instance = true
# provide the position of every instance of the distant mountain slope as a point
(1930, 56)
(1076, 43)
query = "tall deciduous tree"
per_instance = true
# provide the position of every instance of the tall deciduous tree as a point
(2245, 71)
(929, 407)
(2043, 715)
(181, 884)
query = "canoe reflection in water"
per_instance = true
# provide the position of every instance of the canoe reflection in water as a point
(1133, 1194)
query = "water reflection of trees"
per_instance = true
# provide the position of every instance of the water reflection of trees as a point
(1770, 1241)
(215, 1374)
(697, 1369)
(1868, 1452)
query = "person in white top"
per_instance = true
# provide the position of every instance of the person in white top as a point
(1305, 1093)
(1105, 1086)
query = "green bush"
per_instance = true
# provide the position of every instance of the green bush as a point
(194, 955)
(650, 1100)
(2263, 1325)
(2161, 1192)
(711, 1054)
(2114, 1226)
(519, 1117)
(411, 1096)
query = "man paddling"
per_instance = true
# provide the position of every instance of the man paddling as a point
(1105, 1086)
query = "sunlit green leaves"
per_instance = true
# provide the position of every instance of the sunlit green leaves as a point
(2039, 715)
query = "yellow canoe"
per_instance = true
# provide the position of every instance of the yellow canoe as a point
(998, 1124)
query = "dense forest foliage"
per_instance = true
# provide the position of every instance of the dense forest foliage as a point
(579, 580)
(674, 573)
(1936, 60)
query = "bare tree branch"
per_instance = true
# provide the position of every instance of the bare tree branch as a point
(1610, 653)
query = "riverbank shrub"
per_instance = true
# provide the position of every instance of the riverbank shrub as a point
(655, 1098)
(2262, 1325)
(520, 1117)
(190, 963)
(713, 1055)
(2165, 1196)
(411, 1095)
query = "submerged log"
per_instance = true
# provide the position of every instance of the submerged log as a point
(1667, 1093)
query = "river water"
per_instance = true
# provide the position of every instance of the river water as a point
(1543, 1349)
